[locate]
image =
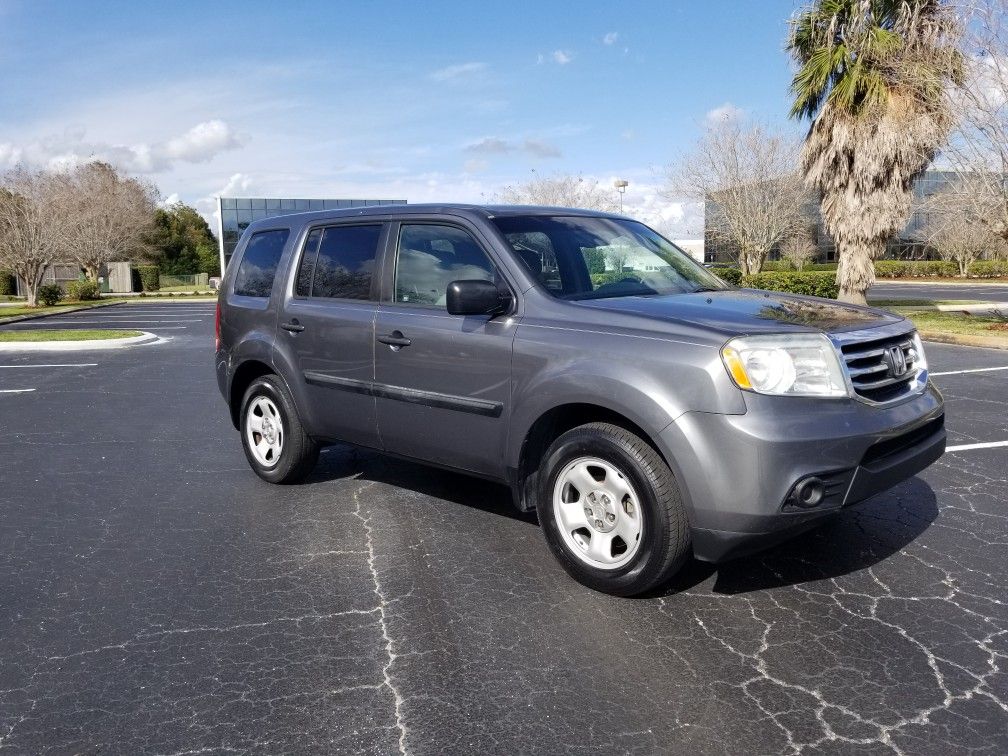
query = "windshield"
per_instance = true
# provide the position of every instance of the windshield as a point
(577, 257)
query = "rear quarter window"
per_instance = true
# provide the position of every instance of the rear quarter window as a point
(258, 265)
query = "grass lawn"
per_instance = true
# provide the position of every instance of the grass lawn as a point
(183, 290)
(65, 335)
(961, 328)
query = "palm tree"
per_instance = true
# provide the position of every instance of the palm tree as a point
(873, 78)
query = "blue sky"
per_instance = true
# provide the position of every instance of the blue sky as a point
(445, 101)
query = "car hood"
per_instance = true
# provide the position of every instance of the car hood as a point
(748, 311)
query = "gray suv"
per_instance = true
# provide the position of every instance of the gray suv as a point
(647, 411)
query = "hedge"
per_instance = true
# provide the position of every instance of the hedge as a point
(989, 268)
(7, 284)
(915, 268)
(729, 275)
(83, 291)
(815, 283)
(149, 277)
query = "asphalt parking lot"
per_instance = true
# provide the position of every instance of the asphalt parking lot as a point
(156, 596)
(991, 292)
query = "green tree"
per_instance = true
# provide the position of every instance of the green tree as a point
(182, 243)
(873, 78)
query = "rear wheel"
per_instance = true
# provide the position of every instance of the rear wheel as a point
(611, 510)
(274, 440)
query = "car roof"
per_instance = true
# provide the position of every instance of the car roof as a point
(480, 211)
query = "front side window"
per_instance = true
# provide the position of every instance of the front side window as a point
(578, 257)
(258, 265)
(430, 257)
(344, 265)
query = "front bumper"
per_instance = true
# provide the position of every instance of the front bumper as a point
(738, 472)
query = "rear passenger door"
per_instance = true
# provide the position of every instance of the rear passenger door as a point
(442, 382)
(328, 324)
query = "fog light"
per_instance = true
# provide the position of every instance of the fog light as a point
(809, 492)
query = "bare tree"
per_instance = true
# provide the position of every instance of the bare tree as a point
(560, 191)
(32, 225)
(111, 215)
(749, 179)
(978, 146)
(799, 249)
(953, 231)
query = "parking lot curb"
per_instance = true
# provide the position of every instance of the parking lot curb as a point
(77, 346)
(990, 342)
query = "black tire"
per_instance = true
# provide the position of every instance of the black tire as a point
(665, 540)
(299, 452)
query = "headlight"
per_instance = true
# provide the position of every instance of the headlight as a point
(919, 362)
(791, 365)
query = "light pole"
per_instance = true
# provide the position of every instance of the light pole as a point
(621, 185)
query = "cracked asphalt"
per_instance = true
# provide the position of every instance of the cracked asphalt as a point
(157, 597)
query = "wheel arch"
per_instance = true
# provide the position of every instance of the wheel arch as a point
(557, 420)
(243, 376)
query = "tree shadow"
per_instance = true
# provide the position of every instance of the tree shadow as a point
(855, 539)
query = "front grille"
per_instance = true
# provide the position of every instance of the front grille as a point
(873, 365)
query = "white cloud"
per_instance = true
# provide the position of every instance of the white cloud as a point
(489, 146)
(449, 73)
(475, 166)
(497, 146)
(538, 148)
(610, 38)
(201, 143)
(724, 112)
(562, 57)
(171, 199)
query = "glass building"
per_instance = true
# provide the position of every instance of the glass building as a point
(236, 213)
(908, 245)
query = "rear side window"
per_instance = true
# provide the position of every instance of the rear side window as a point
(259, 263)
(344, 265)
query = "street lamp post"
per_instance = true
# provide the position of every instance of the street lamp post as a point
(621, 185)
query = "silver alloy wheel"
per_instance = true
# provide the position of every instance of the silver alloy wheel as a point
(264, 431)
(598, 513)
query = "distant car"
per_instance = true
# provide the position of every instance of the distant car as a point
(647, 416)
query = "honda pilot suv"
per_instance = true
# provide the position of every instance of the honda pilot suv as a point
(646, 410)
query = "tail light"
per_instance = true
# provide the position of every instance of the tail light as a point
(216, 328)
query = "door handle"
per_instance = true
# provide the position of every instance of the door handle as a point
(395, 339)
(294, 326)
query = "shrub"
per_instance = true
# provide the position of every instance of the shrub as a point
(7, 283)
(776, 266)
(149, 277)
(816, 283)
(83, 290)
(729, 275)
(915, 268)
(49, 294)
(989, 268)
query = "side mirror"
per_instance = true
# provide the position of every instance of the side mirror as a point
(476, 298)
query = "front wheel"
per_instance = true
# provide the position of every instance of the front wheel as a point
(611, 510)
(275, 442)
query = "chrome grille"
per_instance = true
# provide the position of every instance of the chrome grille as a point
(882, 369)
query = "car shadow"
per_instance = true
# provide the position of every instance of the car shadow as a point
(855, 539)
(342, 461)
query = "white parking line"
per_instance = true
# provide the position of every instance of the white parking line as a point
(967, 447)
(76, 364)
(972, 370)
(15, 391)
